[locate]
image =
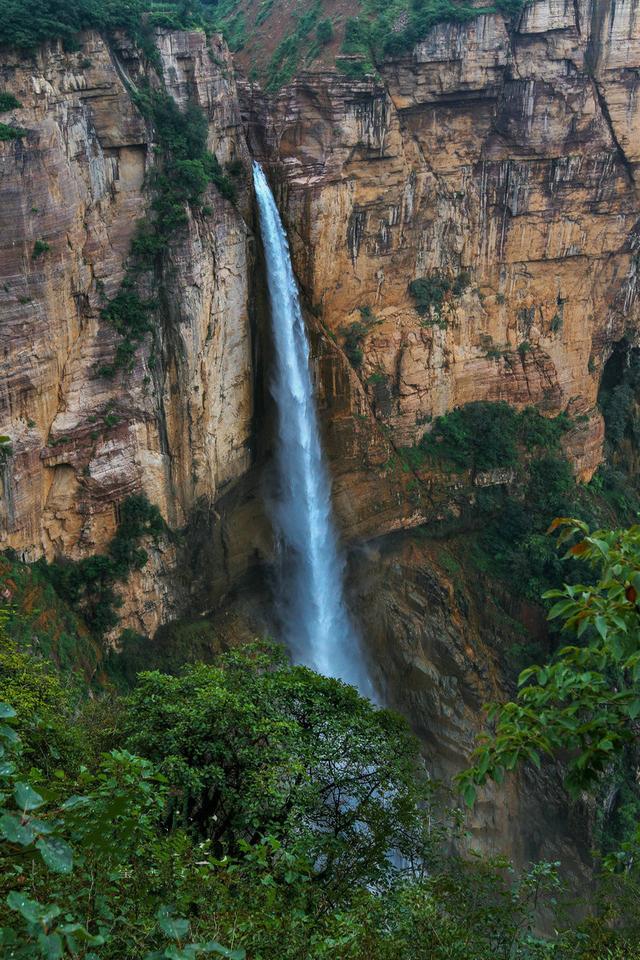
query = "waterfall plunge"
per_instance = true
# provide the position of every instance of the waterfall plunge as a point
(318, 629)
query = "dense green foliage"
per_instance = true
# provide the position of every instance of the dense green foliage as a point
(485, 436)
(43, 708)
(26, 25)
(255, 818)
(585, 703)
(435, 295)
(354, 334)
(618, 399)
(88, 585)
(39, 248)
(259, 749)
(7, 132)
(40, 621)
(8, 102)
(504, 523)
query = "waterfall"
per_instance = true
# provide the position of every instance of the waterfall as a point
(317, 626)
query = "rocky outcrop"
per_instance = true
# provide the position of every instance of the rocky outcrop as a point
(502, 155)
(179, 424)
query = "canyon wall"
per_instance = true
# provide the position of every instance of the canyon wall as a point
(179, 424)
(498, 160)
(499, 154)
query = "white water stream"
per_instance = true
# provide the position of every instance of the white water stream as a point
(317, 626)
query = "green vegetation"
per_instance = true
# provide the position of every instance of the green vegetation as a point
(8, 132)
(434, 296)
(87, 586)
(288, 53)
(355, 333)
(485, 436)
(247, 809)
(376, 30)
(618, 397)
(131, 317)
(184, 168)
(40, 247)
(504, 522)
(324, 32)
(8, 102)
(393, 28)
(40, 622)
(584, 703)
(28, 25)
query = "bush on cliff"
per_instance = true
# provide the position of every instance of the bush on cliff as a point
(28, 24)
(484, 436)
(88, 585)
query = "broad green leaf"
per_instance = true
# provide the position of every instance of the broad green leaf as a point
(26, 797)
(213, 947)
(41, 826)
(8, 733)
(13, 830)
(75, 801)
(175, 927)
(57, 854)
(602, 626)
(559, 608)
(31, 910)
(175, 952)
(6, 711)
(81, 933)
(50, 946)
(634, 709)
(469, 794)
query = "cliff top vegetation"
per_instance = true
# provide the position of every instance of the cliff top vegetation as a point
(272, 39)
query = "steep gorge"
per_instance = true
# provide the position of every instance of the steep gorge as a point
(502, 152)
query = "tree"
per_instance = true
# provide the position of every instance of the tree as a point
(585, 703)
(255, 747)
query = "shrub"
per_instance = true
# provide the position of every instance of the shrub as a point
(8, 132)
(483, 435)
(8, 102)
(324, 32)
(40, 247)
(88, 585)
(434, 295)
(618, 395)
(478, 436)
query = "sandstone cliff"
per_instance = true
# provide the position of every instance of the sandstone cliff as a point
(499, 159)
(179, 424)
(502, 153)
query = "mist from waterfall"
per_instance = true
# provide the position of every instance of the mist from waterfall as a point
(317, 626)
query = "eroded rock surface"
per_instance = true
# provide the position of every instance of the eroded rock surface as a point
(178, 425)
(502, 155)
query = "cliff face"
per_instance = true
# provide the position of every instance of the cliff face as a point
(179, 424)
(498, 163)
(501, 156)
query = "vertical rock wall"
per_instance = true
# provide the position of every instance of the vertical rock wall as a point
(178, 426)
(501, 155)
